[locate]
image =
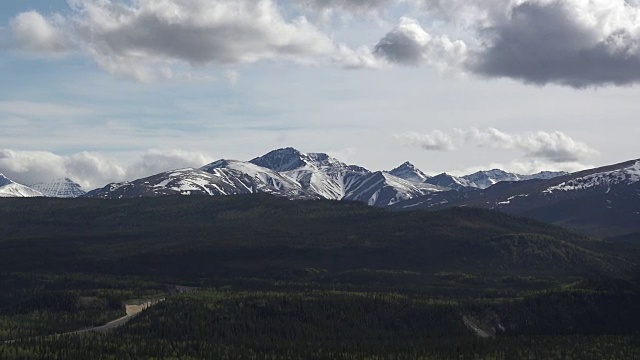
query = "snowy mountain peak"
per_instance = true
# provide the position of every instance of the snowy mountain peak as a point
(59, 188)
(9, 188)
(285, 159)
(485, 179)
(409, 172)
(450, 181)
(222, 163)
(544, 175)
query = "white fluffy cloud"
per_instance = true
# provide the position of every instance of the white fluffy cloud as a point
(555, 147)
(145, 39)
(92, 170)
(409, 44)
(35, 33)
(434, 141)
(575, 43)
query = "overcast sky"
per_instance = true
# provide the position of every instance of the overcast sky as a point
(112, 90)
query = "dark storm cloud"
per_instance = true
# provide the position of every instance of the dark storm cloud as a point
(550, 42)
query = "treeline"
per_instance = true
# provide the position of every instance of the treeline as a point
(225, 324)
(113, 346)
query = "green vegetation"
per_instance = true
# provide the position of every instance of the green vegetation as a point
(283, 279)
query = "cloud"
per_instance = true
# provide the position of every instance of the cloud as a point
(92, 170)
(146, 39)
(434, 141)
(232, 76)
(567, 42)
(555, 147)
(34, 33)
(526, 167)
(409, 44)
(156, 161)
(355, 6)
(574, 43)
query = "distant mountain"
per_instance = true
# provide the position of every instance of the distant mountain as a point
(543, 175)
(410, 172)
(59, 188)
(177, 182)
(316, 172)
(223, 177)
(603, 201)
(9, 188)
(485, 179)
(383, 189)
(452, 182)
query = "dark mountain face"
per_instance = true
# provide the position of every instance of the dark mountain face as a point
(281, 160)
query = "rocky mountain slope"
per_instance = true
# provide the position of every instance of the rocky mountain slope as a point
(60, 188)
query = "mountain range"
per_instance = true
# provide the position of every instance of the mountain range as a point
(602, 201)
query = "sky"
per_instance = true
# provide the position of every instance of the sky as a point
(111, 90)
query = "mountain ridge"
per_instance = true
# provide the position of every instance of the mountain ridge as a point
(10, 188)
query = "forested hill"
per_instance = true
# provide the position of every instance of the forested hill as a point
(260, 235)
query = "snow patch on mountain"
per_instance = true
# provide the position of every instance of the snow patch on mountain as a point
(625, 176)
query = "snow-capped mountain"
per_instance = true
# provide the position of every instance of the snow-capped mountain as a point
(59, 188)
(383, 189)
(485, 179)
(258, 179)
(176, 182)
(451, 182)
(626, 175)
(9, 188)
(284, 172)
(543, 175)
(409, 172)
(223, 177)
(317, 172)
(609, 196)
